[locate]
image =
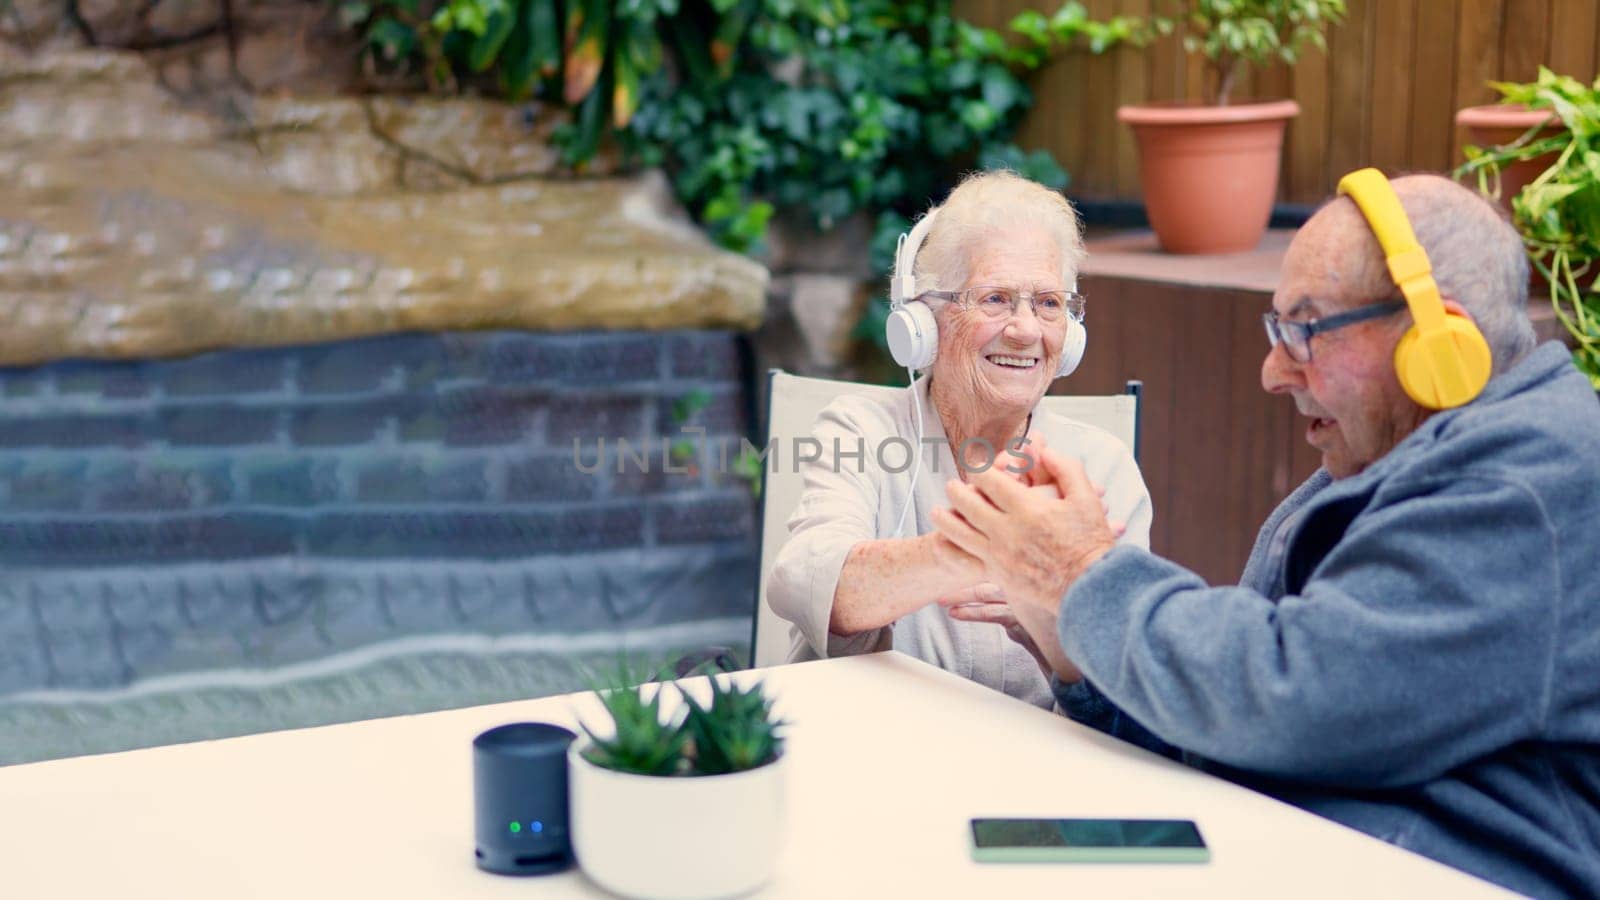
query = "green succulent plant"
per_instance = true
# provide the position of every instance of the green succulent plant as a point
(734, 732)
(642, 741)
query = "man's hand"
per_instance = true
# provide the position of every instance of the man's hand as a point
(1033, 542)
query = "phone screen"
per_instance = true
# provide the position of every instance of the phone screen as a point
(1087, 840)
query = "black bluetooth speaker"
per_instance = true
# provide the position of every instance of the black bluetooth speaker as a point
(519, 783)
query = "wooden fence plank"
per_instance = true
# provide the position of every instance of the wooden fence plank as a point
(1433, 99)
(1308, 134)
(1098, 177)
(1386, 94)
(1525, 39)
(1133, 86)
(1168, 65)
(1573, 36)
(1275, 82)
(1349, 90)
(1392, 88)
(1477, 59)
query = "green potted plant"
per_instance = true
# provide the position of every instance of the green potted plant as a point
(658, 789)
(1558, 211)
(1500, 125)
(1209, 171)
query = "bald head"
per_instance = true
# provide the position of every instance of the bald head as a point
(1477, 256)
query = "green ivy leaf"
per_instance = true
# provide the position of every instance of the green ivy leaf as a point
(487, 46)
(393, 39)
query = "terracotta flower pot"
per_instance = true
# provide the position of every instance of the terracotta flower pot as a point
(1209, 173)
(1497, 126)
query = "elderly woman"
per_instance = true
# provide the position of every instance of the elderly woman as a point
(998, 269)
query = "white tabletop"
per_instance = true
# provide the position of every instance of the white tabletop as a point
(889, 758)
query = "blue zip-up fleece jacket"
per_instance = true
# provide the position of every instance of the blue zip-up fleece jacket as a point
(1413, 651)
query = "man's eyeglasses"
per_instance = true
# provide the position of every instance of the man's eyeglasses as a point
(1296, 336)
(1000, 302)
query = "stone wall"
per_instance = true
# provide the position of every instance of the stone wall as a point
(289, 386)
(203, 48)
(136, 226)
(255, 509)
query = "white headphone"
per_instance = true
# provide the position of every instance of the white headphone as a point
(912, 332)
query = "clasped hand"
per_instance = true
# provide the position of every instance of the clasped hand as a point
(1030, 537)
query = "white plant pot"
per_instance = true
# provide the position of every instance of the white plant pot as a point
(699, 836)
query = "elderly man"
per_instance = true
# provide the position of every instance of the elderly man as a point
(1413, 648)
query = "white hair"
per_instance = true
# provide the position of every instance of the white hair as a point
(989, 203)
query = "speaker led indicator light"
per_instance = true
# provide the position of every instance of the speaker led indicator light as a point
(516, 827)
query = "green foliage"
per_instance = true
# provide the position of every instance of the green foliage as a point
(735, 732)
(752, 105)
(823, 106)
(1558, 213)
(1235, 34)
(877, 112)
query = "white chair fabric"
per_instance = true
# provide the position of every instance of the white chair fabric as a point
(793, 403)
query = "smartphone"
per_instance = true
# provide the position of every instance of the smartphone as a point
(1088, 840)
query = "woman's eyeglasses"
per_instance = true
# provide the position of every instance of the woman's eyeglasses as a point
(1296, 336)
(1000, 302)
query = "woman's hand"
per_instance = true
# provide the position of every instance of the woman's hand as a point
(1024, 464)
(1032, 543)
(1037, 634)
(984, 593)
(954, 565)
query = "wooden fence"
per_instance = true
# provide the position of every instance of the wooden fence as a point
(1385, 94)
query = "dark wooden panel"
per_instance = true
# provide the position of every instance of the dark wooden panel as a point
(1203, 440)
(1258, 427)
(1217, 451)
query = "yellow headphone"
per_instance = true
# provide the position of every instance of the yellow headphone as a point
(1443, 360)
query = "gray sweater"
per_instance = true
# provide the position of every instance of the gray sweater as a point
(1413, 651)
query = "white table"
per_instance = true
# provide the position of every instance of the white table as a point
(890, 757)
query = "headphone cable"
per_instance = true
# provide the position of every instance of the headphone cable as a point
(916, 454)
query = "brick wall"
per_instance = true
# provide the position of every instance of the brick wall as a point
(259, 508)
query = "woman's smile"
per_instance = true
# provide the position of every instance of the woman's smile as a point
(1014, 362)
